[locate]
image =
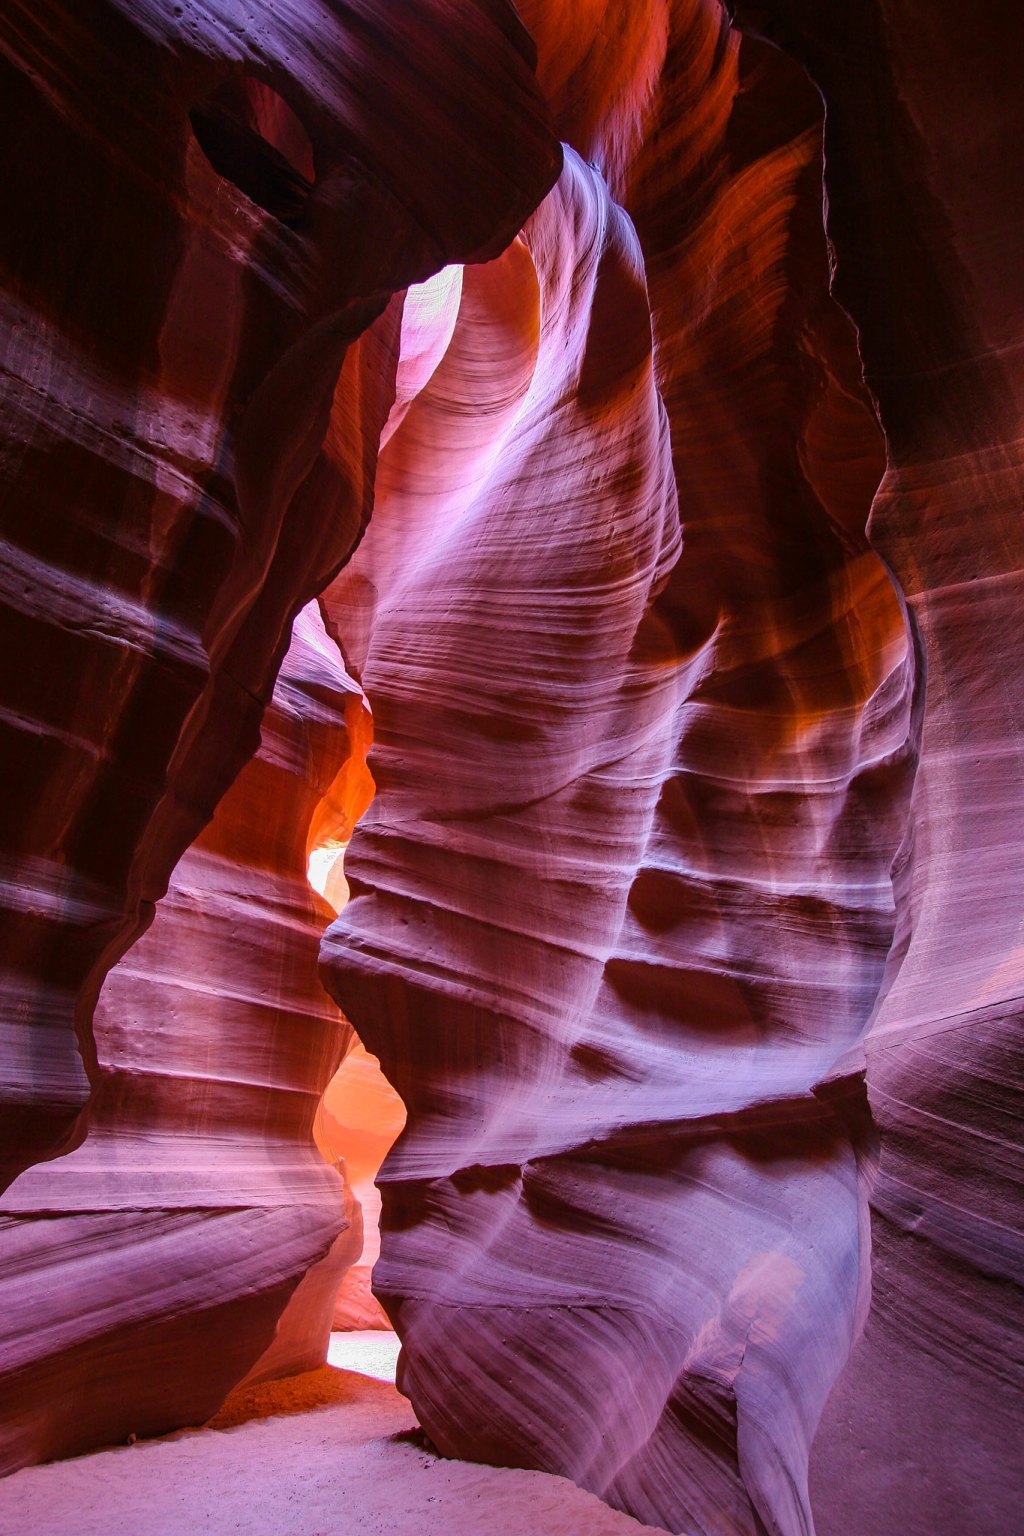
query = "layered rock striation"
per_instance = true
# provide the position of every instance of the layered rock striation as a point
(622, 904)
(203, 215)
(196, 1235)
(923, 215)
(635, 925)
(685, 920)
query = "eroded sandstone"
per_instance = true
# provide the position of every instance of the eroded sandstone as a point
(686, 918)
(193, 421)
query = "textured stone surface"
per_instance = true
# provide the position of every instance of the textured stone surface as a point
(924, 213)
(360, 1114)
(190, 434)
(197, 1234)
(358, 1121)
(687, 917)
(622, 902)
(631, 924)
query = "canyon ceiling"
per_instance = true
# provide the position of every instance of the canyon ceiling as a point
(569, 458)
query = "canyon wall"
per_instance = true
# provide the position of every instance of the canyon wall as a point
(630, 910)
(359, 1119)
(924, 214)
(197, 1235)
(622, 901)
(686, 918)
(191, 423)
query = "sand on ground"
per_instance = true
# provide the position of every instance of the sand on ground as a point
(333, 1453)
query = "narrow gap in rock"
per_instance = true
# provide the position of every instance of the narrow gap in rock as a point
(360, 1114)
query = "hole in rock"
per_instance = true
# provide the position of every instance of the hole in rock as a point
(252, 138)
(429, 314)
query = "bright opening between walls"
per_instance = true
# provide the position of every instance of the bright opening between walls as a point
(360, 1113)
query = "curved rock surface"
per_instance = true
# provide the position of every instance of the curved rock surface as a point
(191, 426)
(924, 216)
(686, 919)
(690, 1091)
(622, 903)
(197, 1235)
(360, 1114)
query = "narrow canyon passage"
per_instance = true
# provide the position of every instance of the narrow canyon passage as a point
(512, 730)
(197, 1197)
(330, 1450)
(577, 730)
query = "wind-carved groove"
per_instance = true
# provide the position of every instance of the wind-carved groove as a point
(666, 599)
(226, 1234)
(195, 347)
(940, 355)
(359, 1114)
(650, 898)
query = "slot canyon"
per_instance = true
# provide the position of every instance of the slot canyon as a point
(512, 726)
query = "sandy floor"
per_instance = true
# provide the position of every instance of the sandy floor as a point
(328, 1454)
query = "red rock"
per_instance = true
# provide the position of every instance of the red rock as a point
(929, 263)
(199, 1234)
(192, 431)
(359, 1119)
(623, 749)
(685, 920)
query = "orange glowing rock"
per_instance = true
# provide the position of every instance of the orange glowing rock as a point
(359, 1119)
(685, 919)
(205, 1236)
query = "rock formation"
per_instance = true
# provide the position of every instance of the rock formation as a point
(923, 213)
(592, 900)
(359, 1118)
(198, 1233)
(671, 525)
(192, 424)
(643, 866)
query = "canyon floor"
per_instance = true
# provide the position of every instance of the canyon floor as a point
(330, 1453)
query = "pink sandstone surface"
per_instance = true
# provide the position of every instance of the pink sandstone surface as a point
(195, 419)
(332, 1450)
(671, 525)
(588, 897)
(201, 1234)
